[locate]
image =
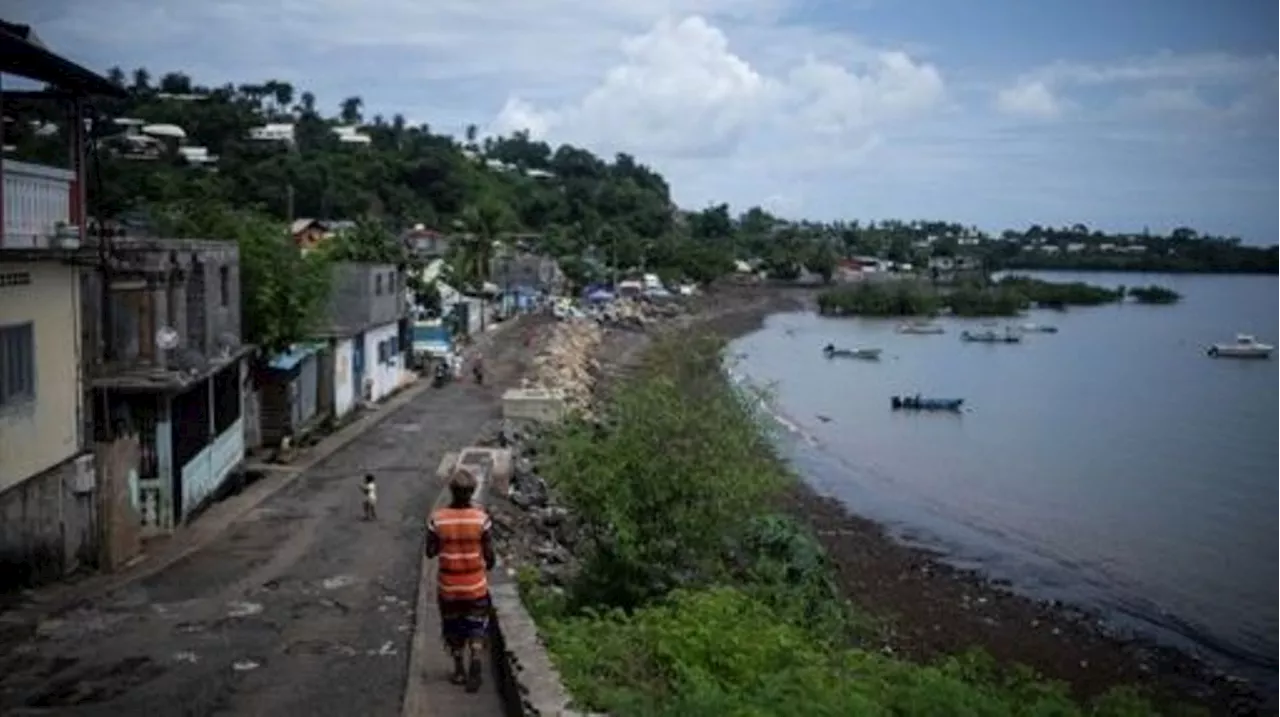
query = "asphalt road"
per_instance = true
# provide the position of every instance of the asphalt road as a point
(299, 608)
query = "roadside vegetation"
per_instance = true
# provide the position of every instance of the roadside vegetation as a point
(1154, 294)
(695, 599)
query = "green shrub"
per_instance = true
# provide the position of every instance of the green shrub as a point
(681, 468)
(972, 302)
(1052, 293)
(886, 298)
(718, 651)
(1154, 294)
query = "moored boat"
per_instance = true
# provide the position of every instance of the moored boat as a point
(1008, 336)
(830, 351)
(921, 328)
(916, 403)
(1039, 328)
(1245, 346)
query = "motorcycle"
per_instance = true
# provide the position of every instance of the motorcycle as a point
(441, 374)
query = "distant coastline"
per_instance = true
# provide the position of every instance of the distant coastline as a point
(1261, 263)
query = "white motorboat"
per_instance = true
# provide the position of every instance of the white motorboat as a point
(1245, 346)
(920, 328)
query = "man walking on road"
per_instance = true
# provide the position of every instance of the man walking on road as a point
(460, 536)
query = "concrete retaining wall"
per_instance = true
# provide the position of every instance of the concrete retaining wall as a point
(533, 404)
(529, 681)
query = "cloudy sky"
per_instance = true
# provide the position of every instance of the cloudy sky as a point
(1117, 113)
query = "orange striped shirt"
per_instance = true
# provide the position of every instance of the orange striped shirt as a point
(461, 532)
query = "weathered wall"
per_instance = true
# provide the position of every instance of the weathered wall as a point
(41, 432)
(382, 367)
(361, 296)
(119, 501)
(46, 529)
(252, 420)
(203, 306)
(344, 389)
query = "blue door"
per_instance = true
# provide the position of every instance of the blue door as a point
(357, 366)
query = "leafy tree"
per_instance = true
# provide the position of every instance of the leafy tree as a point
(351, 110)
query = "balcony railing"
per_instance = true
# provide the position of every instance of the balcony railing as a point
(37, 203)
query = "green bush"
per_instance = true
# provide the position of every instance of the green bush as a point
(1154, 294)
(1052, 293)
(905, 298)
(887, 298)
(680, 470)
(972, 302)
(719, 652)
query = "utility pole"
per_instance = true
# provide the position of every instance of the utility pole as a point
(288, 190)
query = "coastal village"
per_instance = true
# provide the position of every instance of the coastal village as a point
(176, 500)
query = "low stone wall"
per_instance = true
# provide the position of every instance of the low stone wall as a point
(529, 681)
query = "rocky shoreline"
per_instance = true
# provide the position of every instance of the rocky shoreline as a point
(928, 608)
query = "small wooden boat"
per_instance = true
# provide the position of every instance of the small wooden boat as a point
(920, 328)
(1245, 346)
(916, 403)
(830, 351)
(992, 337)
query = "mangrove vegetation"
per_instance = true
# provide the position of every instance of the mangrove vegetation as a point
(1006, 297)
(1154, 294)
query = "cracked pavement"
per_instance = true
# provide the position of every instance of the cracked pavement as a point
(300, 607)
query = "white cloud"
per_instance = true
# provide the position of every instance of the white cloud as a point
(746, 101)
(1162, 85)
(681, 90)
(1029, 99)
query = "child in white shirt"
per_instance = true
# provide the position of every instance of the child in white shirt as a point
(370, 490)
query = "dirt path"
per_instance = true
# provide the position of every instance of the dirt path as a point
(299, 608)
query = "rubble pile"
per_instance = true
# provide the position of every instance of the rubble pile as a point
(530, 528)
(631, 314)
(568, 362)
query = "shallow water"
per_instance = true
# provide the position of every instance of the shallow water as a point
(1112, 464)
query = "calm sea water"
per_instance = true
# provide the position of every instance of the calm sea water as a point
(1112, 465)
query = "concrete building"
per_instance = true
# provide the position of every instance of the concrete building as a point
(171, 369)
(48, 515)
(364, 329)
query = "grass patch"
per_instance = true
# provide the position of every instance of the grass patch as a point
(695, 599)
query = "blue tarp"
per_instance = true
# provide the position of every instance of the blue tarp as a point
(430, 333)
(289, 360)
(432, 339)
(600, 295)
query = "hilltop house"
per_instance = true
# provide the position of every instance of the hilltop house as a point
(308, 233)
(48, 474)
(425, 244)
